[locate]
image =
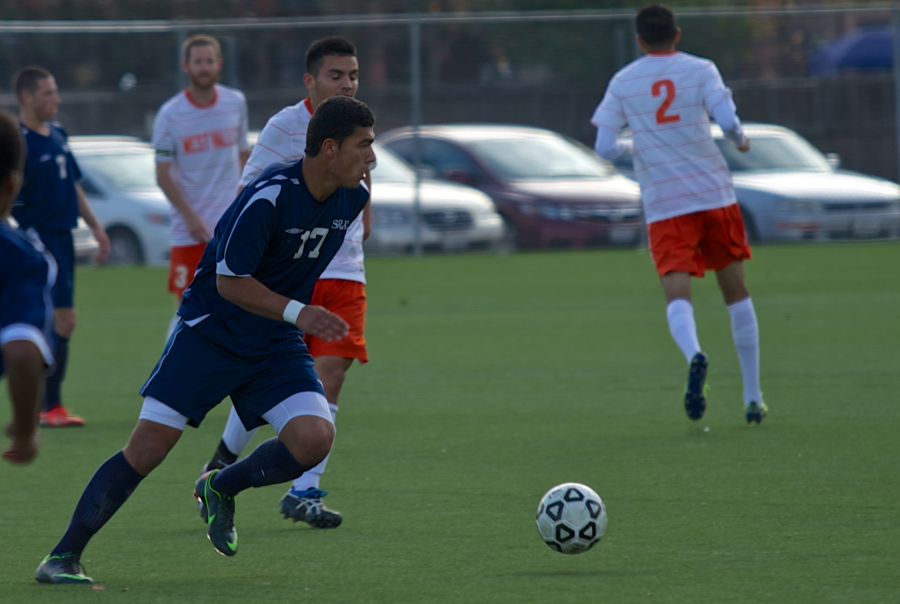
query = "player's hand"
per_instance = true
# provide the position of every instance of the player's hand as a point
(23, 449)
(745, 146)
(103, 242)
(197, 228)
(322, 323)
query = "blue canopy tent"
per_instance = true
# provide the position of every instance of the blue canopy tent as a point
(863, 50)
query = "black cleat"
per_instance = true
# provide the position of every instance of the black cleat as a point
(220, 514)
(306, 506)
(695, 397)
(64, 568)
(756, 411)
(215, 464)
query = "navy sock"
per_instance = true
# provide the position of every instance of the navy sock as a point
(270, 463)
(111, 486)
(54, 380)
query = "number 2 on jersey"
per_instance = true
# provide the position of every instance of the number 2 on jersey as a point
(661, 116)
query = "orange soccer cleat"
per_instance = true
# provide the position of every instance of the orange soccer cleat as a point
(59, 417)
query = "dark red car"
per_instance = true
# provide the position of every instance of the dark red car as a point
(551, 190)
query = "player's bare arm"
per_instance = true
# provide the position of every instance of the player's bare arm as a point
(25, 368)
(253, 296)
(197, 228)
(84, 209)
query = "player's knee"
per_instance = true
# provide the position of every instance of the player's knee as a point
(309, 439)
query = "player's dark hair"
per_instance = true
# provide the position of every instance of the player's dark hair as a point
(28, 79)
(655, 24)
(11, 152)
(199, 40)
(336, 118)
(326, 47)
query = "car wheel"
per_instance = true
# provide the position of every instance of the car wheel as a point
(124, 247)
(749, 225)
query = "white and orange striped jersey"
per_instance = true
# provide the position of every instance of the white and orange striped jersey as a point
(666, 100)
(284, 140)
(203, 144)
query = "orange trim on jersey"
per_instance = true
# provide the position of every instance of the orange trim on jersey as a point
(700, 241)
(308, 104)
(183, 263)
(187, 94)
(347, 299)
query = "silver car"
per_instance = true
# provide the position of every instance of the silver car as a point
(788, 190)
(120, 184)
(452, 216)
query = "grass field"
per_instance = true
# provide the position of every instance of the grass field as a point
(492, 379)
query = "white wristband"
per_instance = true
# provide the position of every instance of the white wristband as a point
(292, 311)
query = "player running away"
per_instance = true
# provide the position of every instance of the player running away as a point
(693, 219)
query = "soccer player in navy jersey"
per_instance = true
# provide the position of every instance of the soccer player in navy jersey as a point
(241, 335)
(27, 274)
(50, 202)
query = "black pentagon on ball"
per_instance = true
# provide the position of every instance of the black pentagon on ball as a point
(594, 508)
(554, 545)
(574, 494)
(555, 510)
(564, 533)
(589, 531)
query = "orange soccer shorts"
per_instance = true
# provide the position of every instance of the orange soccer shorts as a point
(347, 299)
(694, 243)
(182, 265)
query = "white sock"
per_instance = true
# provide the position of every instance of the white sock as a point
(745, 330)
(310, 478)
(680, 314)
(172, 323)
(235, 436)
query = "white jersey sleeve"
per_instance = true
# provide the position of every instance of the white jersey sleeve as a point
(163, 143)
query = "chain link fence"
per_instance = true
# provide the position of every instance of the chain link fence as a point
(826, 71)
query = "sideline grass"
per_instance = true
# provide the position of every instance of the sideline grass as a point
(493, 379)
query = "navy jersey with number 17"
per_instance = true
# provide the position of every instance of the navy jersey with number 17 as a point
(277, 233)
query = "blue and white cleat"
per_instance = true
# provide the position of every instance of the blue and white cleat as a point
(695, 397)
(306, 506)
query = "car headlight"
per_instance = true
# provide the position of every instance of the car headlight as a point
(390, 216)
(160, 219)
(799, 206)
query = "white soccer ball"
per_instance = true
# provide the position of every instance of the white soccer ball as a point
(571, 518)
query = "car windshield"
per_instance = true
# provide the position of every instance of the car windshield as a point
(390, 168)
(538, 158)
(774, 153)
(123, 170)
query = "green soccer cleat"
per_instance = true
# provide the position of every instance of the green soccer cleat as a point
(756, 411)
(220, 514)
(695, 397)
(64, 568)
(306, 506)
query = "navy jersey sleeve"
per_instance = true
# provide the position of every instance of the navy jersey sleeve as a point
(245, 237)
(25, 307)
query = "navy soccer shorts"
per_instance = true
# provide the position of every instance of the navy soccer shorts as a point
(62, 247)
(194, 375)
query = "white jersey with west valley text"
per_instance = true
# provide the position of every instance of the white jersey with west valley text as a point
(203, 144)
(284, 140)
(667, 99)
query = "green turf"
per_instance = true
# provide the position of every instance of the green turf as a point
(493, 379)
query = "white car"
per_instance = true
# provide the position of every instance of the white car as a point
(120, 184)
(452, 216)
